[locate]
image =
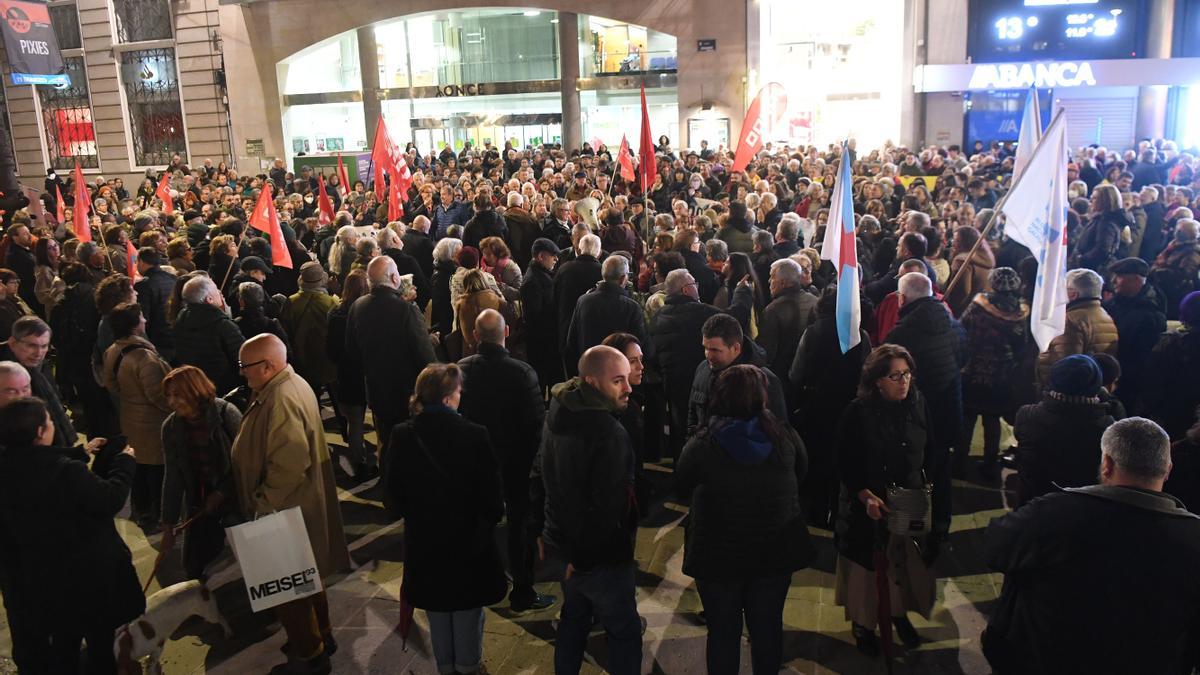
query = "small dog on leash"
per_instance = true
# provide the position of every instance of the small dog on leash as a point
(166, 610)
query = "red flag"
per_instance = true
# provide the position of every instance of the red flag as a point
(58, 204)
(755, 126)
(83, 232)
(625, 160)
(648, 165)
(324, 203)
(163, 192)
(384, 155)
(343, 179)
(395, 205)
(131, 261)
(266, 219)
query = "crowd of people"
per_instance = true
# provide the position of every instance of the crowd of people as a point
(535, 329)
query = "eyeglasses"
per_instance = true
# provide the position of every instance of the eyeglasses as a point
(902, 376)
(243, 366)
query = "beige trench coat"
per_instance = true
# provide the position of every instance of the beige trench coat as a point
(138, 389)
(280, 460)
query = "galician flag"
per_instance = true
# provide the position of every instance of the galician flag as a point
(1035, 211)
(841, 248)
(1031, 133)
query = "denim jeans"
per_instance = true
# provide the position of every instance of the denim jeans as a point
(457, 639)
(761, 602)
(607, 593)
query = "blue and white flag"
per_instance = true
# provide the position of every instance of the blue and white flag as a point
(841, 248)
(1036, 217)
(1031, 133)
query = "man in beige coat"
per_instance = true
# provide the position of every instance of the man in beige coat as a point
(1089, 329)
(280, 460)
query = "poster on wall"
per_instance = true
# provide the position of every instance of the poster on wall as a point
(335, 144)
(33, 54)
(300, 145)
(713, 130)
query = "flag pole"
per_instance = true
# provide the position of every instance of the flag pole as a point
(616, 165)
(992, 220)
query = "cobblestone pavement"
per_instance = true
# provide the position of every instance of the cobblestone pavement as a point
(364, 605)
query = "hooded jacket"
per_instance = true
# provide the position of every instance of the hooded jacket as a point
(745, 520)
(738, 236)
(582, 484)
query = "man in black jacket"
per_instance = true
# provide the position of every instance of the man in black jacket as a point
(725, 345)
(574, 278)
(386, 339)
(933, 337)
(20, 260)
(1082, 566)
(28, 345)
(1139, 310)
(206, 337)
(419, 245)
(541, 314)
(674, 329)
(605, 310)
(486, 222)
(584, 506)
(153, 292)
(503, 394)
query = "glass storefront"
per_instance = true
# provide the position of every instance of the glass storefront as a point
(841, 70)
(436, 71)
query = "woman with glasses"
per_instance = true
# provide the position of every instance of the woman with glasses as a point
(883, 437)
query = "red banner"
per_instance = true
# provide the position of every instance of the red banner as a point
(163, 192)
(58, 204)
(83, 232)
(648, 165)
(324, 203)
(625, 160)
(344, 181)
(755, 126)
(266, 219)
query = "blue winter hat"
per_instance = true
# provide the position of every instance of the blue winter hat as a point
(1076, 375)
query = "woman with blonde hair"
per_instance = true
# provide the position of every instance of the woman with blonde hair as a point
(1098, 242)
(476, 297)
(343, 253)
(197, 478)
(446, 486)
(223, 260)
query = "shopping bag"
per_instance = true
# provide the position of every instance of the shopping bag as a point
(276, 558)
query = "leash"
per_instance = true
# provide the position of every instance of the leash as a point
(162, 554)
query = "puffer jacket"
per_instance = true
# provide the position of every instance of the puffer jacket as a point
(1058, 443)
(1089, 330)
(1098, 242)
(207, 338)
(746, 521)
(928, 332)
(996, 339)
(582, 483)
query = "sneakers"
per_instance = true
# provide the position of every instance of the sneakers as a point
(539, 603)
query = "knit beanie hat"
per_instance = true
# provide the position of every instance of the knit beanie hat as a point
(1076, 375)
(1189, 309)
(1004, 280)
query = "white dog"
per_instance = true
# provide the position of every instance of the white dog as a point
(166, 610)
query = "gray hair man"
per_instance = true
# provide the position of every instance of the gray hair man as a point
(206, 337)
(27, 347)
(1127, 545)
(604, 310)
(1089, 328)
(786, 318)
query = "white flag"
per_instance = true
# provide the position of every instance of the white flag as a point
(1036, 217)
(1031, 133)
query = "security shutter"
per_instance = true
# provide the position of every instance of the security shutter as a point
(1105, 121)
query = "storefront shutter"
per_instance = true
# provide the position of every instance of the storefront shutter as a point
(1105, 121)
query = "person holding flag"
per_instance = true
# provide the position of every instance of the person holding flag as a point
(266, 219)
(163, 192)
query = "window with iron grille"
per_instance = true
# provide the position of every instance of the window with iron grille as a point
(67, 119)
(66, 26)
(152, 95)
(140, 20)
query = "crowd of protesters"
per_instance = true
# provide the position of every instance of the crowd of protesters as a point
(535, 329)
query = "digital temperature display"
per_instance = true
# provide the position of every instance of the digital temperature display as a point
(1012, 30)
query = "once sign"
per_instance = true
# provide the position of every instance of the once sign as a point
(1025, 75)
(460, 90)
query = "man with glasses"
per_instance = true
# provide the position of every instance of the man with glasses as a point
(280, 460)
(932, 336)
(28, 346)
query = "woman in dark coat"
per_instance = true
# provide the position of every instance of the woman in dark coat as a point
(746, 534)
(196, 439)
(69, 575)
(997, 326)
(883, 438)
(1101, 236)
(444, 267)
(445, 483)
(349, 389)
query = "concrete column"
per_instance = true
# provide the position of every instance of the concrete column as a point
(1152, 101)
(368, 68)
(568, 59)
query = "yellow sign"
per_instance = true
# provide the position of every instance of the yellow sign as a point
(930, 181)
